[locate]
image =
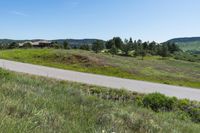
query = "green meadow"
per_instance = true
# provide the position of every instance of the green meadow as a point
(152, 68)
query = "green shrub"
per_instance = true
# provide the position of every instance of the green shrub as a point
(191, 108)
(156, 101)
(4, 74)
(195, 114)
(114, 95)
(187, 56)
(182, 115)
(159, 102)
(183, 104)
(27, 45)
(139, 100)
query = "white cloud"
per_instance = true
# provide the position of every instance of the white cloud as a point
(19, 13)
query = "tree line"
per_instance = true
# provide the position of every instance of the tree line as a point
(129, 47)
(114, 46)
(56, 45)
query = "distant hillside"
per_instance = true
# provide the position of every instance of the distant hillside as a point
(77, 42)
(73, 42)
(192, 43)
(7, 41)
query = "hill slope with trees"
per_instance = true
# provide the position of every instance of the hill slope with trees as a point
(187, 44)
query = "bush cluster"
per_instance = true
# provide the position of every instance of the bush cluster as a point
(155, 101)
(191, 108)
(115, 95)
(159, 102)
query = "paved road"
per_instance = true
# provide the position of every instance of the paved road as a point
(106, 81)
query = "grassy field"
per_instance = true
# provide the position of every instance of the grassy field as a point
(152, 68)
(35, 104)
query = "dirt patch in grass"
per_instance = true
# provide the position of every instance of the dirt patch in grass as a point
(81, 59)
(73, 59)
(133, 71)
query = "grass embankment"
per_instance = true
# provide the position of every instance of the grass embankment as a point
(152, 68)
(35, 104)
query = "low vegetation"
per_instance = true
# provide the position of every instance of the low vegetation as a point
(152, 68)
(187, 56)
(36, 104)
(194, 46)
(187, 44)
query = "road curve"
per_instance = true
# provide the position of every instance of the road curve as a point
(99, 80)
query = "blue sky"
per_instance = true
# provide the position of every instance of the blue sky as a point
(157, 20)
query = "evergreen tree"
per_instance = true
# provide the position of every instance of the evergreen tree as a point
(98, 46)
(85, 47)
(13, 45)
(56, 45)
(145, 45)
(140, 52)
(126, 47)
(164, 51)
(66, 45)
(174, 48)
(27, 45)
(118, 42)
(109, 44)
(139, 42)
(135, 45)
(1, 46)
(152, 48)
(131, 44)
(113, 50)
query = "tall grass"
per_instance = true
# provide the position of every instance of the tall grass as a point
(35, 104)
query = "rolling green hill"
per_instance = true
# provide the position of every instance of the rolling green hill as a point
(191, 44)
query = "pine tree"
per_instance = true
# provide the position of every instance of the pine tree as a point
(126, 47)
(66, 45)
(98, 46)
(13, 45)
(164, 51)
(113, 50)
